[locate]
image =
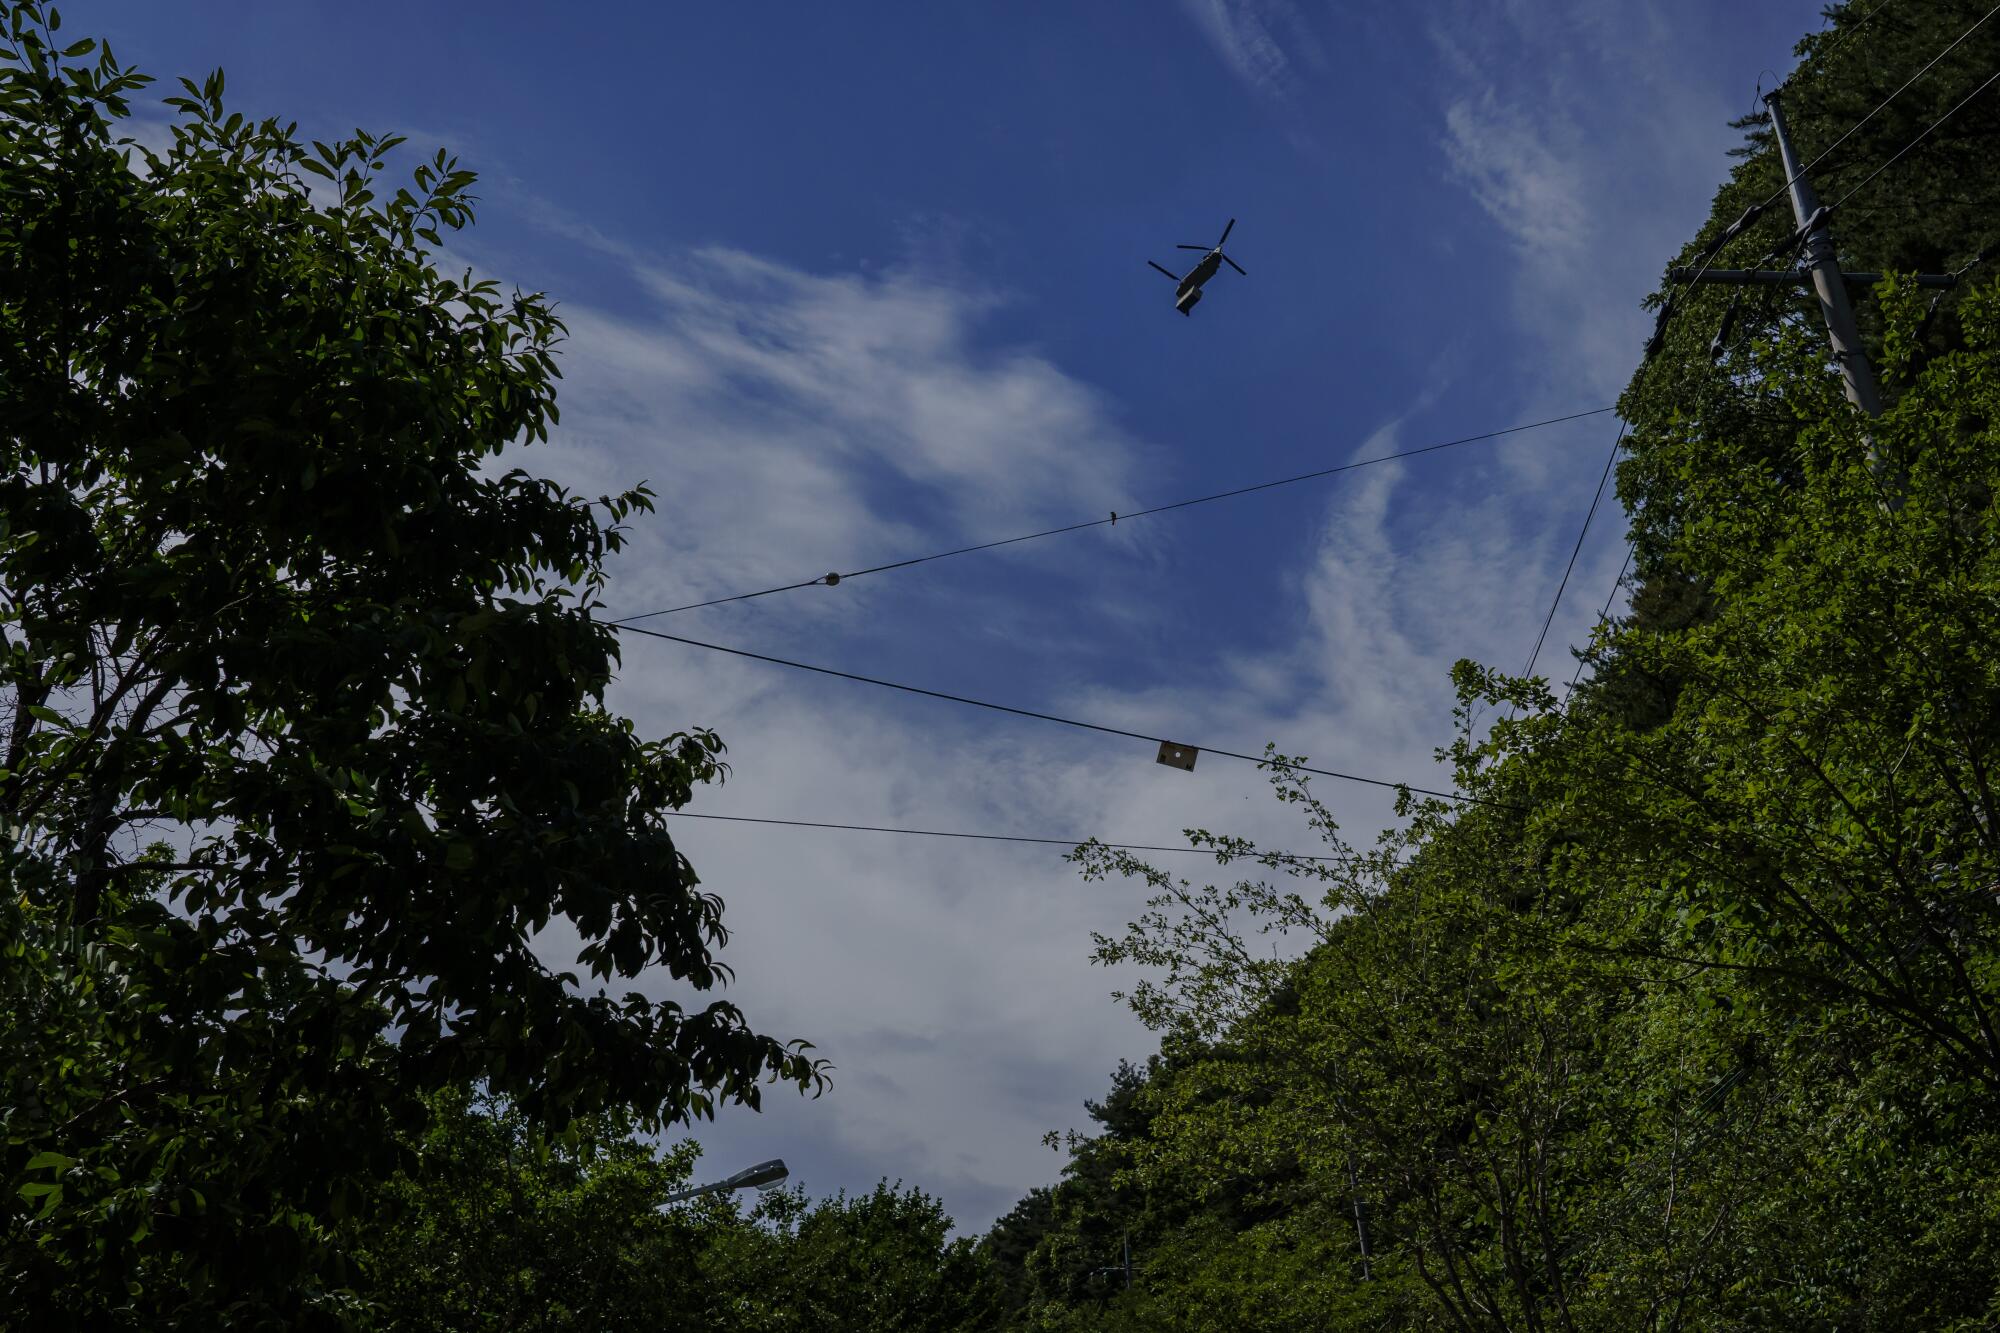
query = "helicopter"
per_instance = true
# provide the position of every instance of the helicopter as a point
(1189, 294)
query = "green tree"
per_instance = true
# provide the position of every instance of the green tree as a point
(1421, 1055)
(1815, 809)
(499, 1225)
(1011, 1240)
(263, 597)
(1928, 210)
(1689, 1023)
(168, 1164)
(882, 1262)
(1695, 1024)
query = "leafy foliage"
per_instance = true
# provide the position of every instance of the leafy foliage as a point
(1692, 1023)
(876, 1263)
(496, 1225)
(266, 606)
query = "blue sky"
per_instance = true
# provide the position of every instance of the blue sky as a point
(848, 284)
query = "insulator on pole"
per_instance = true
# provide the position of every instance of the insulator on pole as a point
(1659, 338)
(1924, 325)
(1721, 342)
(1736, 228)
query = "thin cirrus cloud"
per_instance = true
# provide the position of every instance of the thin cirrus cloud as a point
(1262, 42)
(1591, 148)
(812, 422)
(1530, 185)
(787, 415)
(801, 421)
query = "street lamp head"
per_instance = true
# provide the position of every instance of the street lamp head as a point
(763, 1176)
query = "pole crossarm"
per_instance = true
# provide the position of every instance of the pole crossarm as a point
(1789, 277)
(1855, 372)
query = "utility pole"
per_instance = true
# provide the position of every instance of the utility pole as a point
(1124, 1267)
(1822, 271)
(1828, 282)
(1360, 1221)
(1826, 275)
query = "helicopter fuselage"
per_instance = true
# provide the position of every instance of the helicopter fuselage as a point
(1188, 295)
(1192, 280)
(1188, 285)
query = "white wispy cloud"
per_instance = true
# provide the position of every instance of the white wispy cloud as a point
(778, 405)
(1593, 141)
(799, 421)
(1261, 41)
(788, 418)
(1531, 185)
(795, 422)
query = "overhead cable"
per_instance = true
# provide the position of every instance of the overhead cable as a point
(1713, 250)
(1576, 550)
(1259, 760)
(1883, 104)
(1605, 615)
(831, 580)
(1853, 32)
(1919, 139)
(1223, 853)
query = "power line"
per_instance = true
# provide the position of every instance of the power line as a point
(1791, 243)
(1001, 837)
(1796, 238)
(1920, 138)
(1853, 32)
(1605, 614)
(1751, 214)
(1588, 515)
(833, 579)
(1981, 257)
(830, 580)
(1885, 102)
(1260, 761)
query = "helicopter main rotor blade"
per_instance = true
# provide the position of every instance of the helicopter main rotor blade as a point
(1169, 272)
(1194, 247)
(1225, 234)
(1233, 264)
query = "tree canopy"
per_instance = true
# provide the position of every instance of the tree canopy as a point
(1691, 1023)
(305, 743)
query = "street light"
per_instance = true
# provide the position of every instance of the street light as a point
(761, 1177)
(1125, 1268)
